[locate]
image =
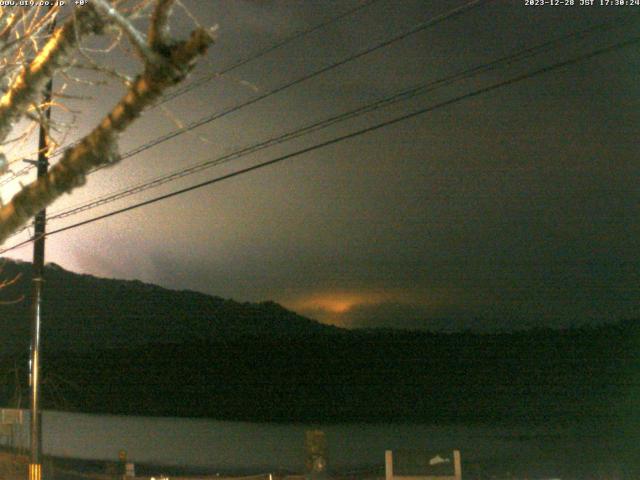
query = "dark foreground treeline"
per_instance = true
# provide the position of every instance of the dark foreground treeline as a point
(536, 376)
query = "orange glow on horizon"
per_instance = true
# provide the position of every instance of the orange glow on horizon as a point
(338, 306)
(335, 303)
(334, 307)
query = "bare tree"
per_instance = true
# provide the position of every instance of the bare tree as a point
(164, 62)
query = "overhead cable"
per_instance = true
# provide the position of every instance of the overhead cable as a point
(420, 89)
(341, 138)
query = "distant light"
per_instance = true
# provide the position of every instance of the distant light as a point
(338, 306)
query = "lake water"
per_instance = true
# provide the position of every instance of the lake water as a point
(570, 451)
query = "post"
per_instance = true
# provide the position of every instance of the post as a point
(388, 464)
(316, 447)
(35, 463)
(457, 464)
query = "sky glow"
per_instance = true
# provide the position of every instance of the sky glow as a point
(513, 208)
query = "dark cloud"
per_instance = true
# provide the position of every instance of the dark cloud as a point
(512, 208)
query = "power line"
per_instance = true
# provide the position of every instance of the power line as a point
(348, 136)
(422, 26)
(384, 102)
(215, 116)
(263, 52)
(455, 12)
(240, 63)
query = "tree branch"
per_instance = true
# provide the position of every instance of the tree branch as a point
(159, 26)
(136, 38)
(28, 85)
(100, 146)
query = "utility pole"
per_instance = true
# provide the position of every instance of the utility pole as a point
(35, 463)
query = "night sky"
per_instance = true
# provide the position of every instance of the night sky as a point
(515, 208)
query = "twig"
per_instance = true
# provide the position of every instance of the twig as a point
(158, 28)
(99, 148)
(135, 37)
(29, 83)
